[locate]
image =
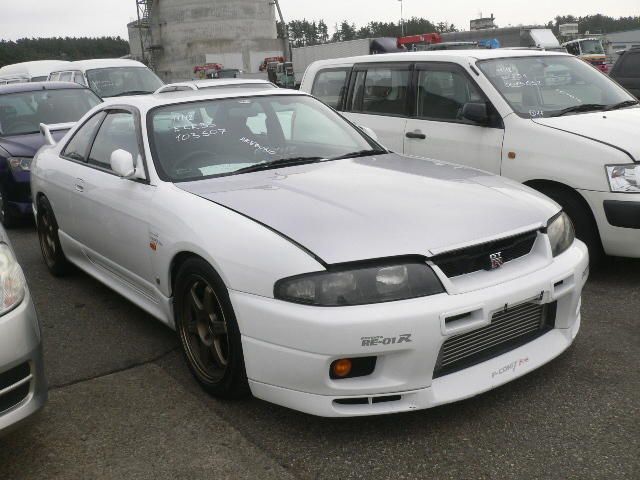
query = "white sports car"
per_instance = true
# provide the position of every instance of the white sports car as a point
(301, 261)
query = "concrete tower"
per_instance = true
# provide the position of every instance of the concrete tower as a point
(185, 33)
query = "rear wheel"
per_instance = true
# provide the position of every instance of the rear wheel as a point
(47, 228)
(208, 330)
(582, 218)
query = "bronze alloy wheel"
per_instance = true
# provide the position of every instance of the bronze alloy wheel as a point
(204, 330)
(47, 235)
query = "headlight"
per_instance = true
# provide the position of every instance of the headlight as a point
(624, 178)
(12, 282)
(561, 233)
(360, 286)
(20, 164)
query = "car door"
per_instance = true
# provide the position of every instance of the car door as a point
(112, 212)
(378, 99)
(628, 73)
(438, 129)
(62, 181)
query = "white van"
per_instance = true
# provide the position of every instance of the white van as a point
(546, 119)
(36, 71)
(110, 77)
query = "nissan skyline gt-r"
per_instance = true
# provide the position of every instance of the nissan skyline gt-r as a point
(301, 261)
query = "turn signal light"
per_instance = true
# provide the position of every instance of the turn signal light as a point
(341, 368)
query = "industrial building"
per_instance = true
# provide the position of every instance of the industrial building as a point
(173, 36)
(617, 41)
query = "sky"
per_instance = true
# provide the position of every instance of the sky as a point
(45, 18)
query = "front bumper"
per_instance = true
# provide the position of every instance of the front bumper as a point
(20, 344)
(619, 241)
(289, 348)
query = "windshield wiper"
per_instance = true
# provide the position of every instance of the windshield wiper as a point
(626, 103)
(132, 92)
(585, 107)
(361, 153)
(283, 162)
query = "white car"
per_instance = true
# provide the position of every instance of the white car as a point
(216, 83)
(298, 259)
(109, 77)
(546, 119)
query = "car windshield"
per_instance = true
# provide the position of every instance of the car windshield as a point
(115, 81)
(549, 86)
(224, 137)
(591, 47)
(22, 113)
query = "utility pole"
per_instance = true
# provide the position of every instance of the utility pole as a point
(401, 17)
(285, 32)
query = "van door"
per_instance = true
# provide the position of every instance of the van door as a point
(378, 99)
(439, 130)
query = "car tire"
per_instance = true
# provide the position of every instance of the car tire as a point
(208, 330)
(7, 217)
(582, 218)
(47, 228)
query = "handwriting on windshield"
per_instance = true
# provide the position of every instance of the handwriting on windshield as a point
(197, 131)
(257, 146)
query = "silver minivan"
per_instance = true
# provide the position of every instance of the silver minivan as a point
(23, 387)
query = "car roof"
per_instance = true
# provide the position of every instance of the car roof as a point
(147, 102)
(99, 63)
(439, 55)
(34, 68)
(217, 82)
(35, 86)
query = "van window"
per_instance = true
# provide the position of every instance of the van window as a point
(631, 65)
(383, 92)
(54, 77)
(330, 86)
(443, 91)
(66, 76)
(78, 78)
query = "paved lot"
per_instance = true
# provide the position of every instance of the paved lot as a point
(124, 406)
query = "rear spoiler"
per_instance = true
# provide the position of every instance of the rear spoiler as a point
(47, 129)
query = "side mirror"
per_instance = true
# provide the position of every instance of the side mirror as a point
(476, 112)
(123, 165)
(369, 132)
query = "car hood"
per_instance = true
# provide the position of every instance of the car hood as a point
(27, 145)
(618, 128)
(380, 206)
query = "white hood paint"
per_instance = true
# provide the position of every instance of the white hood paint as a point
(618, 128)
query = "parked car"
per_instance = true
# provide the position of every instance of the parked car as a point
(545, 119)
(217, 83)
(23, 107)
(110, 77)
(23, 387)
(36, 71)
(626, 70)
(300, 260)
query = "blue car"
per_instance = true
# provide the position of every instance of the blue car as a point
(23, 107)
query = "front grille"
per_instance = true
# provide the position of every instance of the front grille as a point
(509, 329)
(9, 378)
(478, 257)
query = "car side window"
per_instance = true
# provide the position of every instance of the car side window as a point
(78, 78)
(384, 91)
(443, 91)
(66, 76)
(631, 65)
(78, 147)
(117, 132)
(330, 86)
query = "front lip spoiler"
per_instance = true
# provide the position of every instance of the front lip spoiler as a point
(620, 149)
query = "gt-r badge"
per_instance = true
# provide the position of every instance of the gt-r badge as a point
(496, 260)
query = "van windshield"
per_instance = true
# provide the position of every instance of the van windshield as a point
(550, 86)
(22, 113)
(118, 81)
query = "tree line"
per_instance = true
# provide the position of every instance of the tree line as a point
(303, 32)
(58, 48)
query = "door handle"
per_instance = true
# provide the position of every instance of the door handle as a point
(79, 185)
(417, 135)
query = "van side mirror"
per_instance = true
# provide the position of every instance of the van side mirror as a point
(122, 164)
(476, 112)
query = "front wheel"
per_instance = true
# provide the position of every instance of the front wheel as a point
(47, 228)
(208, 330)
(7, 217)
